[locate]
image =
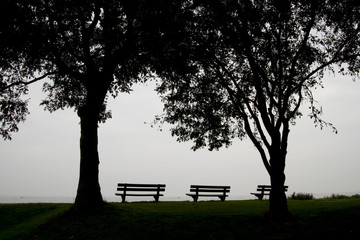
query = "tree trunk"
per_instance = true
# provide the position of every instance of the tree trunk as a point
(278, 203)
(278, 207)
(88, 193)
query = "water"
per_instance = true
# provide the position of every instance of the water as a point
(35, 199)
(49, 199)
(67, 199)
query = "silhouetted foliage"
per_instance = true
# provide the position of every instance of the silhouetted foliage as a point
(250, 65)
(231, 68)
(87, 50)
(301, 196)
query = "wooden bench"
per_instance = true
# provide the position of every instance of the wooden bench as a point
(264, 190)
(216, 191)
(126, 189)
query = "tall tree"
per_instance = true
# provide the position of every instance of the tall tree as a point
(87, 50)
(249, 66)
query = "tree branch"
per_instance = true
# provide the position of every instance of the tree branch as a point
(242, 112)
(249, 131)
(304, 41)
(257, 144)
(86, 32)
(335, 59)
(28, 82)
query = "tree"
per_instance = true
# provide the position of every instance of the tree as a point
(87, 50)
(250, 65)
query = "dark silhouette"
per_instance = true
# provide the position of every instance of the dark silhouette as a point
(208, 191)
(264, 190)
(128, 189)
(230, 69)
(250, 65)
(88, 50)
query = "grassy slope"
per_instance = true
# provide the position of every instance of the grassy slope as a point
(17, 220)
(325, 218)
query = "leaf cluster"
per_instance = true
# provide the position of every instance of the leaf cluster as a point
(251, 64)
(87, 50)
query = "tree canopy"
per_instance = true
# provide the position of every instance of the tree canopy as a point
(69, 42)
(87, 50)
(229, 68)
(251, 64)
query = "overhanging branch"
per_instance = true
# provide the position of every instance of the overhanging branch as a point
(25, 83)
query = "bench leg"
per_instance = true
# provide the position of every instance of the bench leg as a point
(195, 198)
(156, 198)
(123, 198)
(259, 196)
(222, 198)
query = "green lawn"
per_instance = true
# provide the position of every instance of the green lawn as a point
(313, 219)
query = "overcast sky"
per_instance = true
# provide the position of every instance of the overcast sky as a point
(43, 157)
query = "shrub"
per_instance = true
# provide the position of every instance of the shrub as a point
(338, 196)
(341, 196)
(301, 196)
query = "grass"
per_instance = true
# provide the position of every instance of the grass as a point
(18, 220)
(329, 218)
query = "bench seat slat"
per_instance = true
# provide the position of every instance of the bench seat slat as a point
(208, 186)
(209, 190)
(207, 195)
(142, 189)
(140, 185)
(268, 187)
(139, 194)
(260, 194)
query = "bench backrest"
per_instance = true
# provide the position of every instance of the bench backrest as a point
(207, 188)
(267, 188)
(141, 187)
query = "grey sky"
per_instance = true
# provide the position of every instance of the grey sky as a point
(43, 157)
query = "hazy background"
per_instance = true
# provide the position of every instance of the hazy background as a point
(43, 157)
